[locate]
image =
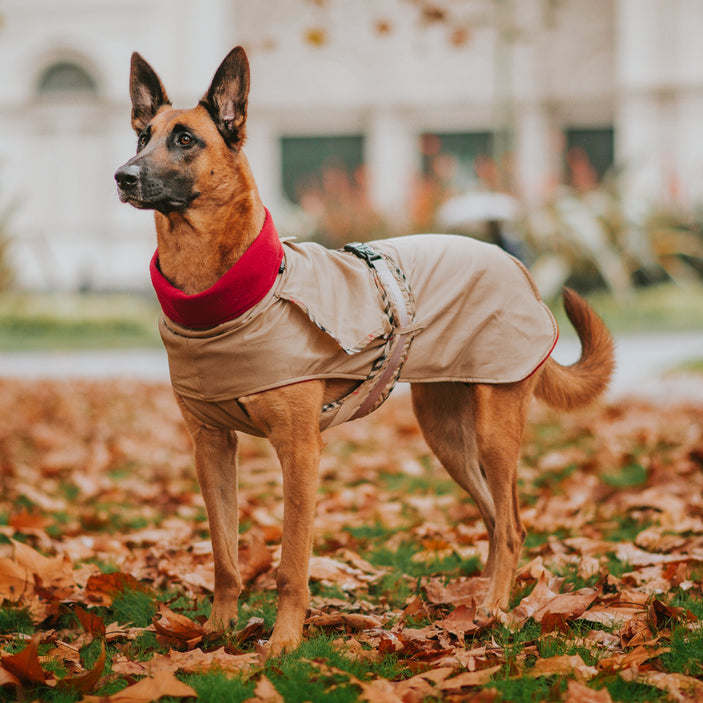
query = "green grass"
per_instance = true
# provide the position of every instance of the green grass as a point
(661, 308)
(73, 321)
(218, 687)
(626, 476)
(15, 619)
(33, 321)
(686, 653)
(136, 607)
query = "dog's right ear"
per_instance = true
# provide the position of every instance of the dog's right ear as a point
(147, 93)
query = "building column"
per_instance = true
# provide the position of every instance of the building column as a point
(392, 160)
(536, 164)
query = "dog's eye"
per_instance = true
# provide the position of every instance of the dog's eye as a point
(142, 140)
(184, 139)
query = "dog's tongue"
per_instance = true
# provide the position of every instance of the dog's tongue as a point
(244, 285)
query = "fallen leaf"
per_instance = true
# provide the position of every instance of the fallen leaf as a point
(196, 660)
(380, 691)
(679, 686)
(350, 621)
(265, 692)
(562, 665)
(175, 629)
(460, 592)
(577, 692)
(164, 683)
(103, 588)
(92, 623)
(254, 559)
(25, 664)
(469, 679)
(8, 679)
(86, 681)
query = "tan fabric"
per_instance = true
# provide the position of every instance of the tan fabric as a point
(479, 315)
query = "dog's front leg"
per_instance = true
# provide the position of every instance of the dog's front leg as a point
(216, 468)
(290, 418)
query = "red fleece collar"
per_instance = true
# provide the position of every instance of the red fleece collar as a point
(244, 285)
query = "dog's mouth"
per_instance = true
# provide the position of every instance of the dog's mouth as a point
(161, 204)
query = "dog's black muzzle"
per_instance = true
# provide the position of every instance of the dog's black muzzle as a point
(140, 187)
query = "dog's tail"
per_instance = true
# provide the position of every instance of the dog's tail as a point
(569, 387)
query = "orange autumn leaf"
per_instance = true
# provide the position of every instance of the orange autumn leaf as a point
(580, 693)
(92, 623)
(25, 664)
(563, 665)
(177, 630)
(163, 683)
(265, 692)
(102, 588)
(86, 681)
(469, 679)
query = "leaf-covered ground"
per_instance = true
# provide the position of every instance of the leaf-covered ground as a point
(106, 569)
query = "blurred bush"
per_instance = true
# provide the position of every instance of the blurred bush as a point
(598, 238)
(6, 270)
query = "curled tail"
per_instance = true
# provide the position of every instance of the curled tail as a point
(569, 387)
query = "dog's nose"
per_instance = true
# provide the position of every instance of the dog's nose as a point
(127, 176)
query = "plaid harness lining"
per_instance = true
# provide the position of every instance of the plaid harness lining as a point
(399, 306)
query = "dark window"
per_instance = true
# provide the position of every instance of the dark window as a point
(308, 162)
(594, 146)
(64, 78)
(455, 157)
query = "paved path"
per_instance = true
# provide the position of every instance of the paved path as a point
(642, 360)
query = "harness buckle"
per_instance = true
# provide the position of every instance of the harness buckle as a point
(363, 251)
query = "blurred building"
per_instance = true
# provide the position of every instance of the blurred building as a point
(376, 94)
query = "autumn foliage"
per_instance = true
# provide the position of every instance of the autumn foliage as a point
(106, 568)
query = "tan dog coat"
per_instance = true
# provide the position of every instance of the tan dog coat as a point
(478, 318)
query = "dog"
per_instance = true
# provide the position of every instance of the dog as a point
(220, 266)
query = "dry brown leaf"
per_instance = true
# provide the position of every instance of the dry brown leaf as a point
(380, 691)
(254, 559)
(469, 679)
(86, 681)
(332, 572)
(265, 692)
(679, 686)
(350, 621)
(164, 683)
(102, 588)
(577, 692)
(93, 624)
(543, 600)
(25, 664)
(460, 592)
(197, 661)
(562, 665)
(14, 579)
(177, 630)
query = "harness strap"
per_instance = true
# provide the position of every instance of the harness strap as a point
(400, 308)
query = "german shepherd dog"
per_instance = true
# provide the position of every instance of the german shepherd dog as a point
(190, 169)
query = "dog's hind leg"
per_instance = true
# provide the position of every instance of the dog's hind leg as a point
(500, 412)
(216, 467)
(446, 415)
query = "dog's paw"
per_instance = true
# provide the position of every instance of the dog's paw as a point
(221, 622)
(281, 643)
(484, 615)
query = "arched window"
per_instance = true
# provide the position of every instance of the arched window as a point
(66, 78)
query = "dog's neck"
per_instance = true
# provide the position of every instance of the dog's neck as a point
(199, 245)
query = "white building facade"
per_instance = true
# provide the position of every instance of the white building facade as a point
(375, 77)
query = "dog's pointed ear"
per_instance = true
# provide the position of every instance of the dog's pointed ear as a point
(147, 93)
(226, 98)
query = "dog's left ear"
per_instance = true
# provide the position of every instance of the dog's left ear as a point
(226, 98)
